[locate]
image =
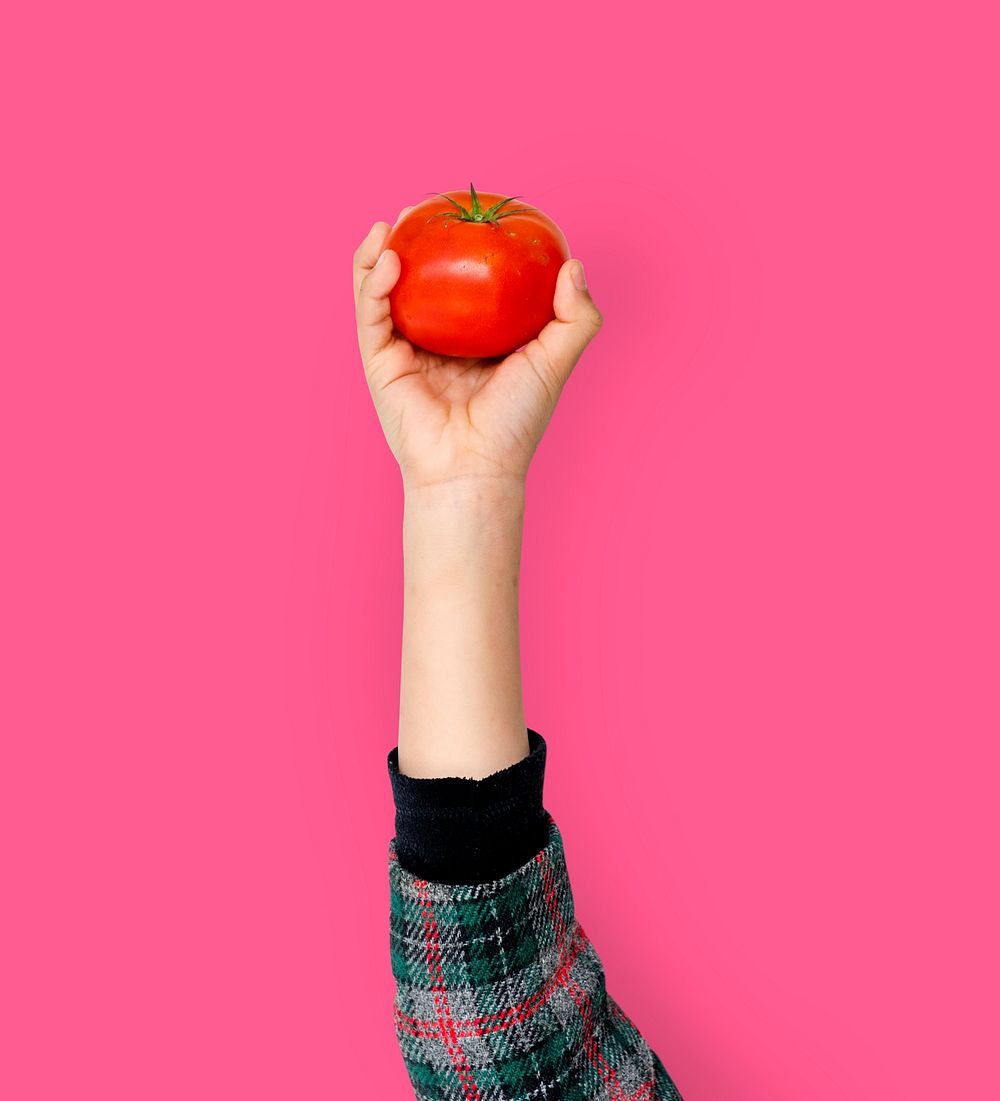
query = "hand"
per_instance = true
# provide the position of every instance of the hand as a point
(445, 418)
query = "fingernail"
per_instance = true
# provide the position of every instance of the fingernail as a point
(381, 257)
(579, 279)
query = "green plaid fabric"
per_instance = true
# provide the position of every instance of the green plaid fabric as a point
(500, 995)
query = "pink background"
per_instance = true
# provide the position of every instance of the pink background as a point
(760, 597)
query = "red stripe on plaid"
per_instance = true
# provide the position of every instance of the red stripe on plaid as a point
(506, 1018)
(550, 898)
(582, 1001)
(445, 1026)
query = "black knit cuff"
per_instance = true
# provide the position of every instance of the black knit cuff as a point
(456, 830)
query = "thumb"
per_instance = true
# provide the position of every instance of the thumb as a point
(576, 323)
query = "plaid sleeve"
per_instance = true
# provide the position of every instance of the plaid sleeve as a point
(500, 995)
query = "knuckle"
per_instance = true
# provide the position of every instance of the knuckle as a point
(363, 253)
(365, 288)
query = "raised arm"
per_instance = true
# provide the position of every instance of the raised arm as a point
(461, 711)
(463, 432)
(499, 993)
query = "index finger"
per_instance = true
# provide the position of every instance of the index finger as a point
(368, 252)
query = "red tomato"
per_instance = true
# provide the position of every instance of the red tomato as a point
(478, 273)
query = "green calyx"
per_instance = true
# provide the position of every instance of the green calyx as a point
(475, 212)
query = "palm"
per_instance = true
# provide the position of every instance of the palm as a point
(486, 415)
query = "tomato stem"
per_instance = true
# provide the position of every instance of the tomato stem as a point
(475, 212)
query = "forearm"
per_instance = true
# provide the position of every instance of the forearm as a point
(461, 703)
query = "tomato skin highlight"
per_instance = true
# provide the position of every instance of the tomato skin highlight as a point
(474, 289)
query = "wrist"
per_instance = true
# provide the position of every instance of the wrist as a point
(464, 530)
(465, 491)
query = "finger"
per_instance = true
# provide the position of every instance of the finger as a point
(368, 252)
(576, 323)
(373, 316)
(402, 214)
